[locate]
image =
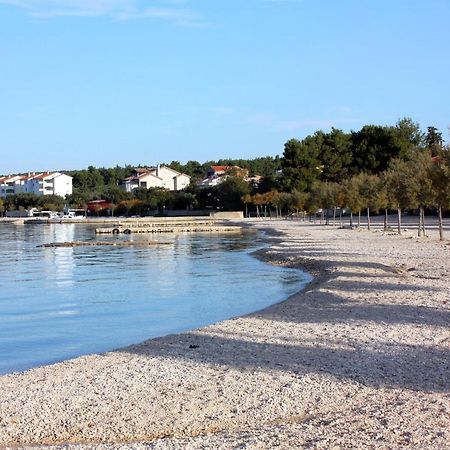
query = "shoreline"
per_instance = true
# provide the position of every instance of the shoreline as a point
(328, 366)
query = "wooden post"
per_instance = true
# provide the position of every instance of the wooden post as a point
(441, 228)
(423, 222)
(419, 232)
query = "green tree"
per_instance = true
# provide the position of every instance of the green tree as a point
(373, 148)
(299, 200)
(353, 200)
(421, 167)
(300, 164)
(335, 154)
(401, 188)
(327, 193)
(434, 141)
(115, 194)
(230, 193)
(440, 179)
(407, 137)
(184, 200)
(369, 185)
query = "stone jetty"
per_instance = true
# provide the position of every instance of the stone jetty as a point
(170, 225)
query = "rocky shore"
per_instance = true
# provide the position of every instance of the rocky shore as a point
(359, 359)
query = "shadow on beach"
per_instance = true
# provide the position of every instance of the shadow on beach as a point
(380, 361)
(389, 366)
(377, 363)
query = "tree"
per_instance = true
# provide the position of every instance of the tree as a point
(116, 194)
(246, 199)
(401, 187)
(373, 147)
(312, 204)
(422, 184)
(434, 141)
(230, 193)
(368, 185)
(175, 165)
(299, 200)
(335, 155)
(184, 200)
(407, 137)
(384, 199)
(440, 179)
(300, 164)
(352, 197)
(258, 200)
(327, 194)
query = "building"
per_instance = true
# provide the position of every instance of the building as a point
(48, 183)
(217, 174)
(8, 185)
(97, 206)
(156, 177)
(219, 171)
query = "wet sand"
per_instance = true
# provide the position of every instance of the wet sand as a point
(359, 359)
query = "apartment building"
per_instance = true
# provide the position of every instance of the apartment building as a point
(48, 183)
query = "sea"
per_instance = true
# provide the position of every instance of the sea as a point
(60, 303)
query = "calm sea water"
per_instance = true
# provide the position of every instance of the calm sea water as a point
(58, 303)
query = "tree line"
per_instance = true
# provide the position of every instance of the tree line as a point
(375, 168)
(418, 182)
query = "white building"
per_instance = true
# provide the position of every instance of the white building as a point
(54, 183)
(49, 183)
(160, 176)
(8, 185)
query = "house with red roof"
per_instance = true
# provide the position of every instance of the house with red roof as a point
(159, 176)
(217, 174)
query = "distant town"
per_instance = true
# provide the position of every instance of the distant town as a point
(153, 179)
(161, 176)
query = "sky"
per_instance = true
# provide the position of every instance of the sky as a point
(115, 82)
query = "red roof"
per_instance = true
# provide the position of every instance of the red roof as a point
(11, 177)
(93, 205)
(221, 168)
(28, 177)
(42, 176)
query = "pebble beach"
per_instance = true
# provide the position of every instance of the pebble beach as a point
(360, 358)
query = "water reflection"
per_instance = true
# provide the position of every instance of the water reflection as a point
(57, 303)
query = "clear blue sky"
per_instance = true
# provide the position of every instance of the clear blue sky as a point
(106, 82)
